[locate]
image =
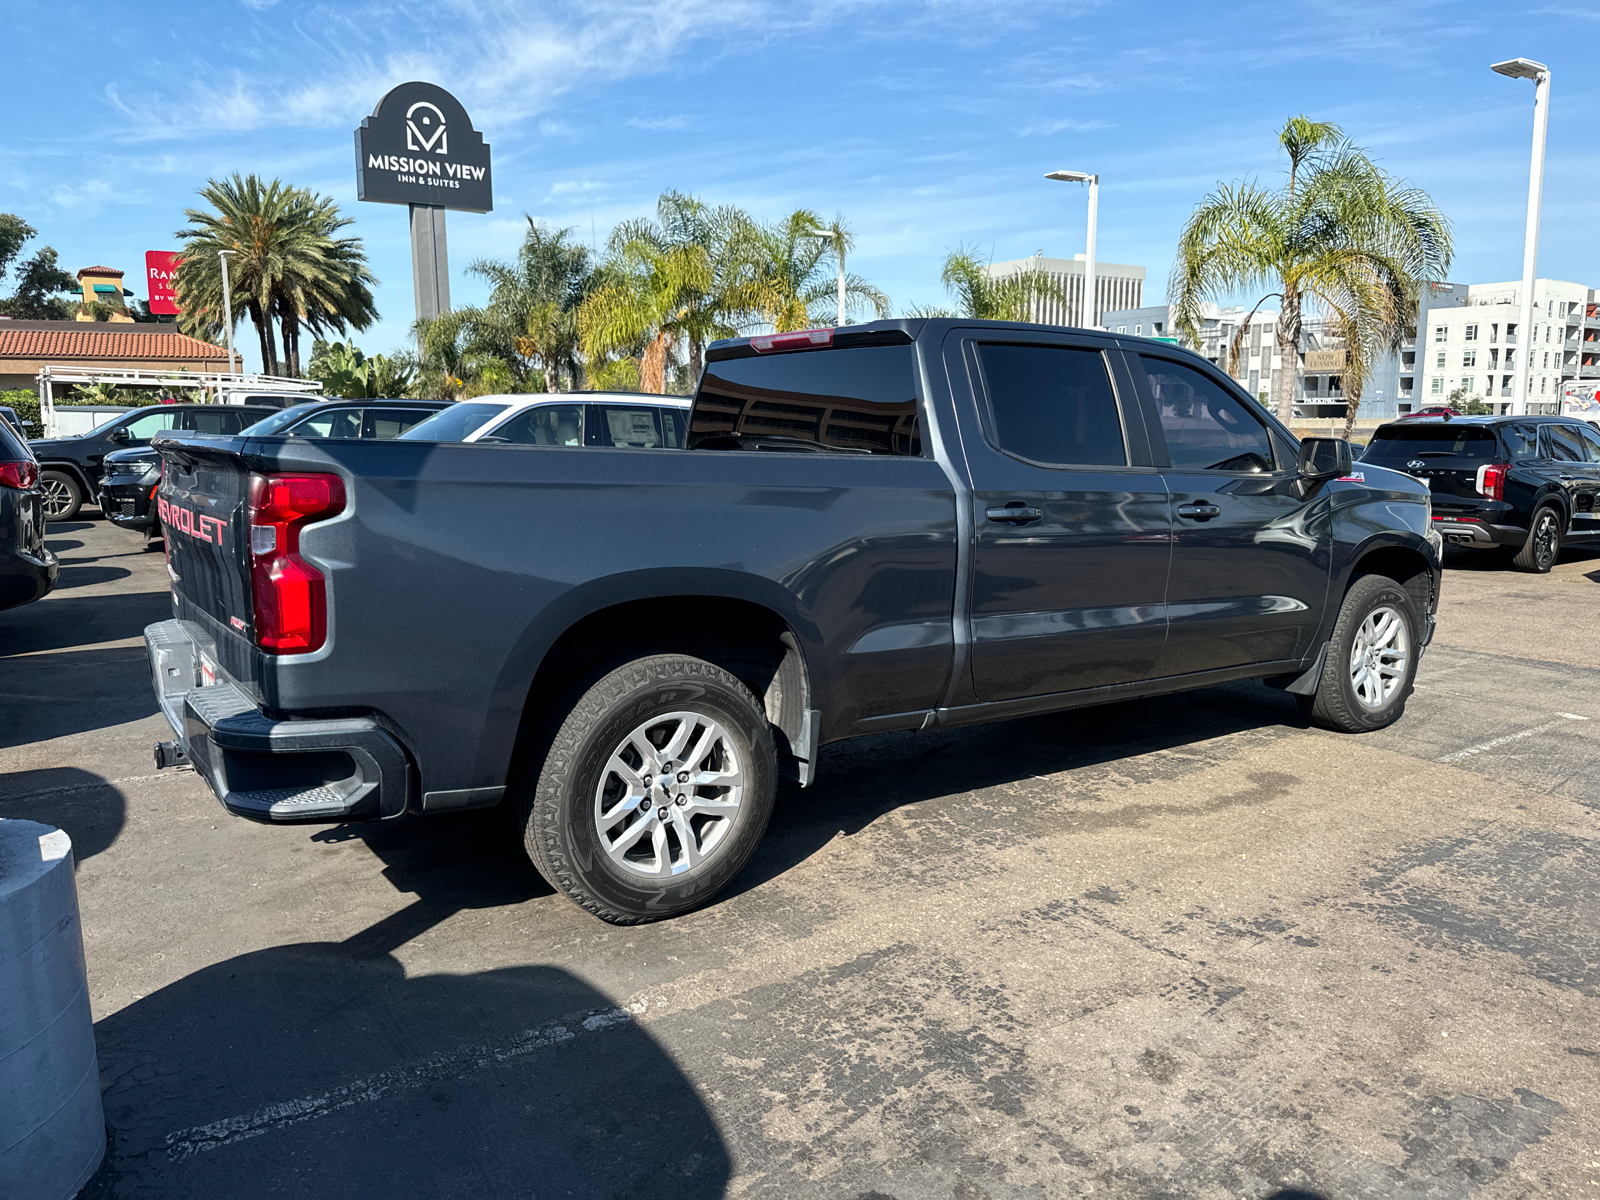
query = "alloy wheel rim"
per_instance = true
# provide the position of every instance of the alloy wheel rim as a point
(669, 795)
(54, 494)
(1546, 535)
(1379, 657)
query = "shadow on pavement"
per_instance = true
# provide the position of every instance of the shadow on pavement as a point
(59, 622)
(320, 1069)
(90, 809)
(54, 695)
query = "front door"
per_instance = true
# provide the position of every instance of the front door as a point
(1071, 533)
(1250, 556)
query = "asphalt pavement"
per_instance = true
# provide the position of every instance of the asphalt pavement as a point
(1184, 947)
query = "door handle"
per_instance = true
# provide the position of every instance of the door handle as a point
(1015, 513)
(1199, 512)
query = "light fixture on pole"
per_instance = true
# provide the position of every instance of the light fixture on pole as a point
(227, 308)
(1089, 318)
(1526, 68)
(836, 236)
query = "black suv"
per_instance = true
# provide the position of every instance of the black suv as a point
(70, 467)
(27, 569)
(1524, 485)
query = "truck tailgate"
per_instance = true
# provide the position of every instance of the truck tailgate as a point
(202, 507)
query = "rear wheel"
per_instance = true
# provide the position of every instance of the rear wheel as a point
(654, 791)
(1372, 659)
(62, 495)
(1539, 552)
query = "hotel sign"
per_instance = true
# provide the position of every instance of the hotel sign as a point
(160, 269)
(419, 147)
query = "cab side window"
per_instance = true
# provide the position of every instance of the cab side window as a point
(147, 424)
(617, 425)
(547, 425)
(1522, 441)
(339, 423)
(382, 424)
(1206, 428)
(1052, 405)
(1591, 443)
(1561, 443)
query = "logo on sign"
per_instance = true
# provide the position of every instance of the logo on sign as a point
(430, 118)
(419, 147)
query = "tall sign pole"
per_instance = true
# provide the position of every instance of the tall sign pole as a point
(418, 148)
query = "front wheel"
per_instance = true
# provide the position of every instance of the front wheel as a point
(61, 494)
(655, 790)
(1372, 659)
(1539, 552)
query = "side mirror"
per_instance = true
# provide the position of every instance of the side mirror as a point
(1325, 458)
(118, 435)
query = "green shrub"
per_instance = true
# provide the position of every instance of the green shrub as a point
(27, 405)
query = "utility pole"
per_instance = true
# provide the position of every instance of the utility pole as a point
(227, 309)
(1524, 68)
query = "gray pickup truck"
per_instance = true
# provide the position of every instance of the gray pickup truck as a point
(899, 525)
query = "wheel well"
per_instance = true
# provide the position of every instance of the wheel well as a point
(746, 639)
(69, 468)
(1408, 568)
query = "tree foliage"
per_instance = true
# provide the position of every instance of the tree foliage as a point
(39, 279)
(346, 372)
(288, 268)
(981, 296)
(1341, 236)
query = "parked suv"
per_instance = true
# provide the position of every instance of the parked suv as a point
(27, 569)
(624, 420)
(1525, 485)
(70, 467)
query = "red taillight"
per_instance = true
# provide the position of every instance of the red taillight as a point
(23, 473)
(1492, 480)
(291, 602)
(806, 339)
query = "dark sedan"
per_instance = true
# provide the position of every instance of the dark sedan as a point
(27, 569)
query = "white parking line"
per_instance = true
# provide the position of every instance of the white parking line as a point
(1470, 751)
(452, 1064)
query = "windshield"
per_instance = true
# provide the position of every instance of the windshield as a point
(278, 420)
(1403, 443)
(454, 424)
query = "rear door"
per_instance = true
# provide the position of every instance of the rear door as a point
(1250, 557)
(1070, 524)
(635, 426)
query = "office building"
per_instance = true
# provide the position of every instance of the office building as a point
(1116, 286)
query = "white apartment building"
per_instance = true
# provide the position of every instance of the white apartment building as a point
(1116, 285)
(1258, 355)
(1477, 349)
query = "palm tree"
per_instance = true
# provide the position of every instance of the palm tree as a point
(981, 296)
(733, 250)
(1341, 236)
(286, 266)
(533, 301)
(793, 280)
(456, 360)
(644, 305)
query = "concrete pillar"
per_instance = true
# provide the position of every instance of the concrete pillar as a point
(52, 1130)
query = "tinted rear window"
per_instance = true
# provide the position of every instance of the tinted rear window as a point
(1392, 443)
(850, 398)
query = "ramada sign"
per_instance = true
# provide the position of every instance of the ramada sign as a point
(419, 147)
(160, 268)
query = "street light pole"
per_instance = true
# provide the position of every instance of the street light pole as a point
(1524, 68)
(1088, 316)
(227, 307)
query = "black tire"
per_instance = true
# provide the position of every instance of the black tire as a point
(1543, 547)
(562, 798)
(62, 495)
(1337, 704)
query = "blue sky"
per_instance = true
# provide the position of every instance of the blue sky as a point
(926, 126)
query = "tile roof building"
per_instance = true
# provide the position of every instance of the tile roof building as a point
(27, 346)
